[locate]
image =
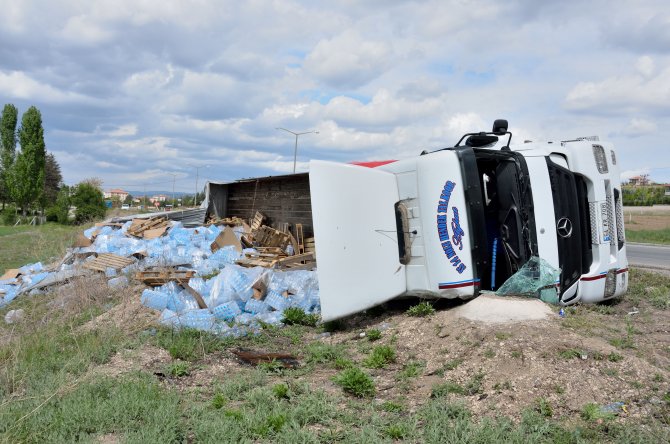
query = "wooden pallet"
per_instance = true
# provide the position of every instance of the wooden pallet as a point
(310, 246)
(269, 237)
(250, 262)
(148, 228)
(155, 278)
(300, 239)
(108, 260)
(257, 221)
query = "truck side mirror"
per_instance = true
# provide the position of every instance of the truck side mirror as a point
(500, 127)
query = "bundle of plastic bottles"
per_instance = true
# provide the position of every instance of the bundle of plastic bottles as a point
(228, 292)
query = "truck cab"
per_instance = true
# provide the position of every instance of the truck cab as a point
(458, 220)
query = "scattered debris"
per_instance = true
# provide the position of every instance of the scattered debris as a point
(149, 228)
(256, 357)
(156, 278)
(14, 316)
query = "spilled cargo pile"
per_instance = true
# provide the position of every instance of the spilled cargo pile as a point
(226, 277)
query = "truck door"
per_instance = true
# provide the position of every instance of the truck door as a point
(355, 237)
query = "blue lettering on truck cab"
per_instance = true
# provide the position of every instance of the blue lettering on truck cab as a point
(450, 241)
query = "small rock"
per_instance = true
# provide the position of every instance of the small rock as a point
(325, 334)
(362, 335)
(443, 333)
(14, 316)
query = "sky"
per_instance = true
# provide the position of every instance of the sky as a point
(148, 94)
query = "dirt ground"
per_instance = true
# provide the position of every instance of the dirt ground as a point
(599, 354)
(647, 218)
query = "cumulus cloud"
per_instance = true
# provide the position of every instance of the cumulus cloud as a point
(348, 60)
(625, 93)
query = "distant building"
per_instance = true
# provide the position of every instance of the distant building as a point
(158, 198)
(116, 194)
(641, 180)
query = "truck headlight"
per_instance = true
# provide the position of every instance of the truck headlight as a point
(610, 283)
(601, 158)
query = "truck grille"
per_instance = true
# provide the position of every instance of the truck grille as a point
(620, 232)
(609, 208)
(594, 223)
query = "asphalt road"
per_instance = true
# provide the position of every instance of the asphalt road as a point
(649, 255)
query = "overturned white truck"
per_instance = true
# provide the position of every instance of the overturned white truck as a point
(451, 222)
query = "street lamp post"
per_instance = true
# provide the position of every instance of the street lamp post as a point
(174, 178)
(195, 196)
(295, 150)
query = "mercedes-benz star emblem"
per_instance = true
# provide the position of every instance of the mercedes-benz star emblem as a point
(564, 227)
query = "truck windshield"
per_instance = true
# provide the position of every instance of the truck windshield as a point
(508, 214)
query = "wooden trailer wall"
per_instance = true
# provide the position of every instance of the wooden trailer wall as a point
(280, 198)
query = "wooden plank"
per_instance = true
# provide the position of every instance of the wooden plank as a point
(154, 233)
(108, 260)
(300, 239)
(296, 258)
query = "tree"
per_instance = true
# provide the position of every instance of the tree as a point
(8, 122)
(26, 182)
(53, 180)
(89, 201)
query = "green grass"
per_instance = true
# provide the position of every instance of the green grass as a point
(652, 288)
(23, 245)
(422, 309)
(297, 316)
(356, 382)
(373, 334)
(649, 236)
(380, 357)
(178, 369)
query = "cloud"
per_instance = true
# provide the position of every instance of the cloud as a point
(348, 60)
(625, 93)
(638, 127)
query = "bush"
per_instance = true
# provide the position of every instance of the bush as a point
(380, 357)
(89, 201)
(9, 216)
(297, 316)
(421, 310)
(355, 381)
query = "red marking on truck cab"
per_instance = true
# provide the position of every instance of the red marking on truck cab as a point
(374, 163)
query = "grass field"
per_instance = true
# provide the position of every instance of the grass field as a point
(647, 225)
(90, 364)
(27, 244)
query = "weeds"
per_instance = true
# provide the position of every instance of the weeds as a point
(188, 344)
(373, 334)
(446, 388)
(319, 353)
(614, 357)
(543, 407)
(501, 336)
(380, 357)
(280, 391)
(411, 370)
(178, 369)
(392, 407)
(422, 309)
(592, 412)
(218, 401)
(297, 316)
(570, 353)
(356, 382)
